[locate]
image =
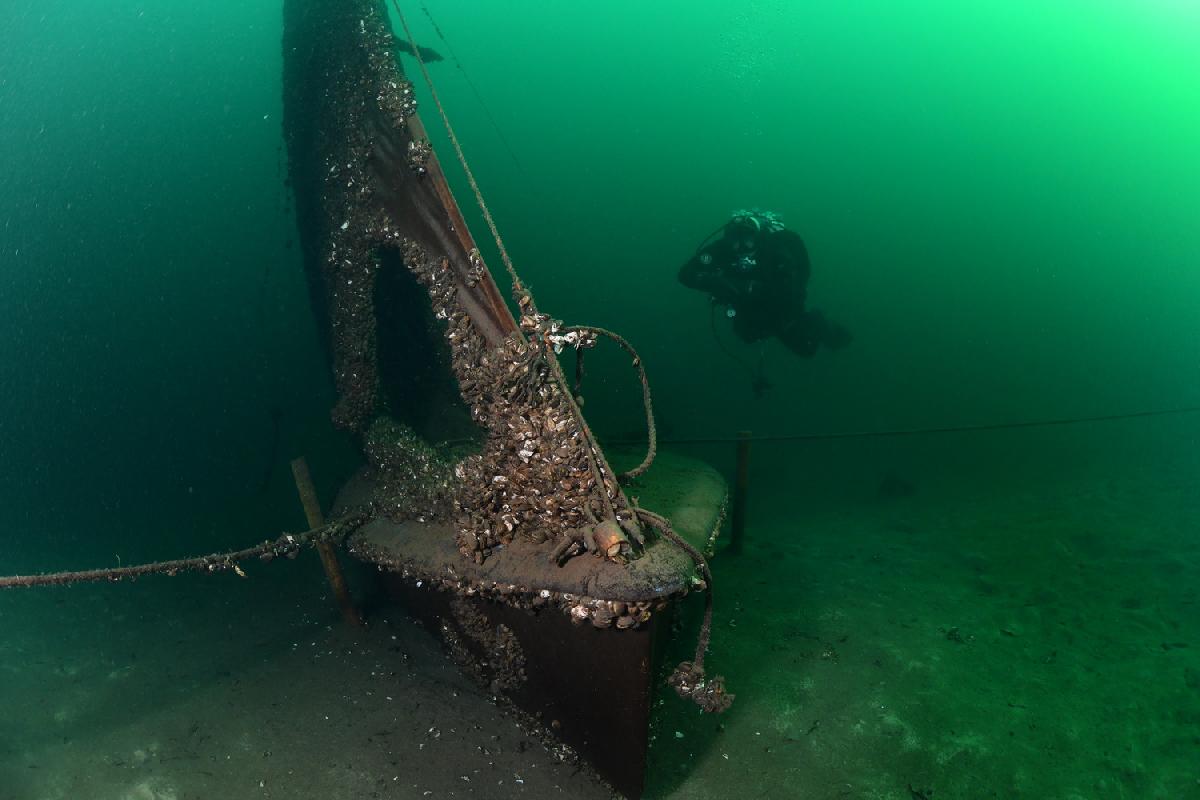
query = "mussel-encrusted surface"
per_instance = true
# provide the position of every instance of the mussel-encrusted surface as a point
(592, 590)
(422, 549)
(540, 477)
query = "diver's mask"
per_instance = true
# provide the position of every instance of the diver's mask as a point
(757, 220)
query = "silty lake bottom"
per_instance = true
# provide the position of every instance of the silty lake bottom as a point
(1021, 629)
(999, 204)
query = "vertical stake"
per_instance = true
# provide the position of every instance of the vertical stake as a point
(333, 570)
(741, 480)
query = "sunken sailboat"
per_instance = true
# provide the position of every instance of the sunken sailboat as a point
(528, 515)
(484, 499)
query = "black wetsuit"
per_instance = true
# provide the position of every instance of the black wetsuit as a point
(763, 278)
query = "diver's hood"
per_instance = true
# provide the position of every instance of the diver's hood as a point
(756, 221)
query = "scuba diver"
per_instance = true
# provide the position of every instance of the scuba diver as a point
(758, 270)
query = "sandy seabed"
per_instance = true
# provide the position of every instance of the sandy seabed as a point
(935, 636)
(1027, 628)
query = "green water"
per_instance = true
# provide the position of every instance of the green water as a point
(1000, 203)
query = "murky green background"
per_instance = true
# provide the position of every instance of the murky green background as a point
(999, 199)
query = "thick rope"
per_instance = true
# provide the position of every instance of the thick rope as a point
(688, 680)
(647, 401)
(286, 545)
(593, 456)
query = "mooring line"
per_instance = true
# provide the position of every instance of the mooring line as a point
(994, 426)
(287, 545)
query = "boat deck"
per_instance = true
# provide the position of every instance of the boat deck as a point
(688, 492)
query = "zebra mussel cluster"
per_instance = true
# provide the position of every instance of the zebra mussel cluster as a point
(533, 477)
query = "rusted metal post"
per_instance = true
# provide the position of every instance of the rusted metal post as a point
(741, 480)
(333, 570)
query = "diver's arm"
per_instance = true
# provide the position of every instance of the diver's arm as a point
(695, 274)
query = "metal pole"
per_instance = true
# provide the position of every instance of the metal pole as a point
(333, 570)
(741, 480)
